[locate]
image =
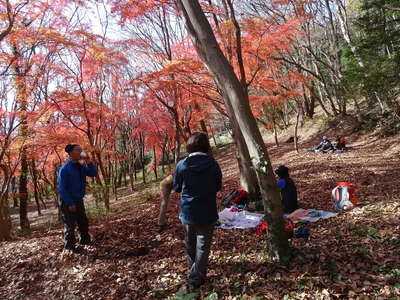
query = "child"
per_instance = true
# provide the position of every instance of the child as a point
(288, 190)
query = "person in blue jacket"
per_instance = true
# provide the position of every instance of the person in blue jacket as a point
(71, 188)
(198, 178)
(288, 190)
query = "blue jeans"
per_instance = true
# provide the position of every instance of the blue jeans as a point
(198, 238)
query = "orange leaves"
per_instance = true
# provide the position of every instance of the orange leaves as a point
(133, 9)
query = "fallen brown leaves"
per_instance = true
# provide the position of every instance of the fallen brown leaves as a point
(353, 256)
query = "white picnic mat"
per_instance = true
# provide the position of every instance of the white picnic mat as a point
(239, 219)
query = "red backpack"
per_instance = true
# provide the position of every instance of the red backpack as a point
(236, 197)
(241, 198)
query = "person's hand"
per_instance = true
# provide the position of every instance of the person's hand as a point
(72, 208)
(88, 160)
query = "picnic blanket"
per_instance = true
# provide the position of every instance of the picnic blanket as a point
(310, 215)
(238, 219)
(231, 219)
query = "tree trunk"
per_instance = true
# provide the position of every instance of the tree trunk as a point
(104, 184)
(132, 174)
(234, 96)
(143, 172)
(275, 130)
(248, 176)
(22, 95)
(5, 221)
(296, 146)
(135, 170)
(213, 137)
(23, 191)
(125, 174)
(155, 163)
(35, 186)
(203, 126)
(55, 191)
(177, 152)
(14, 191)
(164, 159)
(143, 160)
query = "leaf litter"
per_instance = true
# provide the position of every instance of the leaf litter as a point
(353, 256)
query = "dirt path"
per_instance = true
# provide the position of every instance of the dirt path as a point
(354, 254)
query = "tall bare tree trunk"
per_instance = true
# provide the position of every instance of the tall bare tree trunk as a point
(35, 186)
(275, 130)
(23, 191)
(177, 151)
(14, 191)
(203, 126)
(23, 133)
(213, 137)
(155, 163)
(296, 146)
(248, 176)
(5, 221)
(234, 96)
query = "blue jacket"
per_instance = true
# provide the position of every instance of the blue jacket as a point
(288, 194)
(198, 178)
(72, 181)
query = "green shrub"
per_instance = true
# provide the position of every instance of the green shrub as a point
(391, 129)
(368, 125)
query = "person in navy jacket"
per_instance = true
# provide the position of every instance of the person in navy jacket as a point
(71, 188)
(198, 178)
(288, 190)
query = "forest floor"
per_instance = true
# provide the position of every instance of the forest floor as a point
(355, 255)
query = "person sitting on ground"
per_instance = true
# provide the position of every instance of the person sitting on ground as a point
(288, 190)
(324, 146)
(340, 143)
(166, 188)
(198, 178)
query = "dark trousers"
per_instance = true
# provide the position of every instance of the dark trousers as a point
(198, 240)
(70, 220)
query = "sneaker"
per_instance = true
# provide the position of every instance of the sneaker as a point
(67, 252)
(196, 285)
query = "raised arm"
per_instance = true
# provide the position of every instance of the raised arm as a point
(90, 170)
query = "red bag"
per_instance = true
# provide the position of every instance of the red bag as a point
(240, 198)
(262, 227)
(289, 227)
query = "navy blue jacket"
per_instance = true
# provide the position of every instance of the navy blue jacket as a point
(198, 178)
(289, 194)
(72, 181)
